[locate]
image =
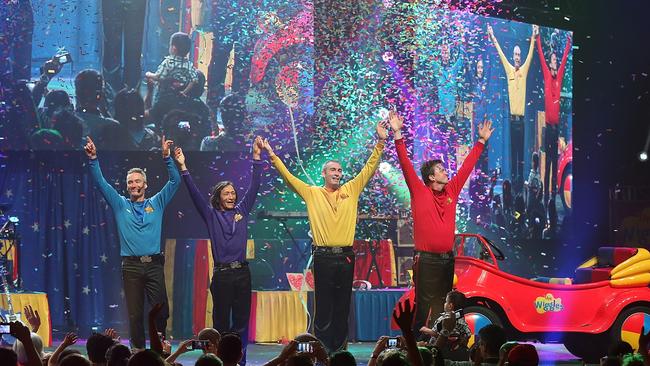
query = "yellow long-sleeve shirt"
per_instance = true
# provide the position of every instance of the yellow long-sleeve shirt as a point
(332, 215)
(516, 79)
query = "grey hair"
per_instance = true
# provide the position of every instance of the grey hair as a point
(331, 161)
(137, 170)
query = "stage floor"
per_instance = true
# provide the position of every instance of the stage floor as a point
(259, 354)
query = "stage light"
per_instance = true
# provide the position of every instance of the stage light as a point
(643, 156)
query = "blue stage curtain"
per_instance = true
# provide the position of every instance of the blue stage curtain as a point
(69, 247)
(371, 305)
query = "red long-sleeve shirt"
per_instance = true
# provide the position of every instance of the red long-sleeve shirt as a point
(434, 212)
(552, 85)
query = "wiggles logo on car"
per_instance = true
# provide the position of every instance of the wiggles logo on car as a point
(548, 303)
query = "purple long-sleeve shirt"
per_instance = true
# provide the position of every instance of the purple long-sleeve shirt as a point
(228, 229)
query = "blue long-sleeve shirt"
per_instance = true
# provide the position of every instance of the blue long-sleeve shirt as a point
(228, 229)
(139, 224)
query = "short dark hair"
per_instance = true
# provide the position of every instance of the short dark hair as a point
(233, 112)
(300, 359)
(457, 299)
(118, 355)
(146, 357)
(230, 348)
(129, 107)
(70, 127)
(96, 347)
(8, 356)
(342, 358)
(427, 169)
(182, 42)
(493, 337)
(88, 86)
(208, 359)
(215, 197)
(74, 360)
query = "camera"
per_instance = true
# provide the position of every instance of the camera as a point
(184, 125)
(393, 342)
(62, 58)
(305, 347)
(199, 344)
(5, 328)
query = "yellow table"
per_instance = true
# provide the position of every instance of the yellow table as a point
(38, 301)
(278, 315)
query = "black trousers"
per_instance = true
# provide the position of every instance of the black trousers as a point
(123, 22)
(434, 277)
(517, 151)
(231, 299)
(550, 165)
(140, 279)
(333, 274)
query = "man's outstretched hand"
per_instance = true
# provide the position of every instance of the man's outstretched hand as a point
(90, 148)
(485, 131)
(396, 123)
(166, 147)
(382, 130)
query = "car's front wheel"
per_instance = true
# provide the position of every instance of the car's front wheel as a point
(478, 317)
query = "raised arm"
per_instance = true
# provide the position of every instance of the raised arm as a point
(167, 192)
(294, 183)
(531, 49)
(360, 180)
(542, 60)
(396, 122)
(565, 57)
(201, 204)
(110, 194)
(256, 177)
(457, 182)
(502, 56)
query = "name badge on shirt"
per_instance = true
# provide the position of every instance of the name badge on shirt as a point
(449, 200)
(148, 209)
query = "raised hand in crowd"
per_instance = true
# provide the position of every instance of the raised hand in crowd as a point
(112, 333)
(182, 348)
(68, 340)
(404, 316)
(289, 350)
(32, 317)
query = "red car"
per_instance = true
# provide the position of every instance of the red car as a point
(607, 300)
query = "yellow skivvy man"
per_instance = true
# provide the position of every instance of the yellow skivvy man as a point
(332, 212)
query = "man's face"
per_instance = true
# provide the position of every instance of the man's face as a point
(136, 186)
(228, 198)
(439, 174)
(516, 56)
(479, 69)
(553, 64)
(332, 173)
